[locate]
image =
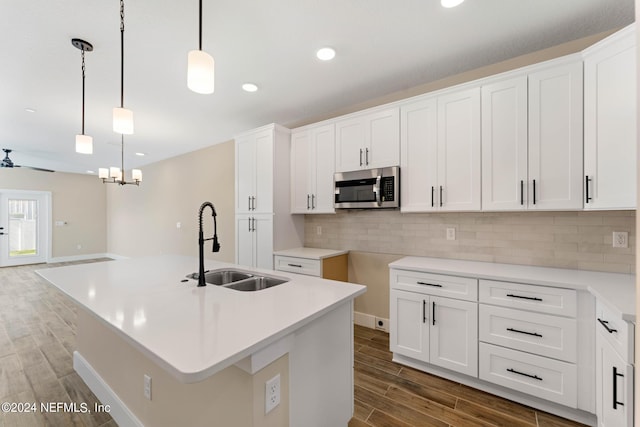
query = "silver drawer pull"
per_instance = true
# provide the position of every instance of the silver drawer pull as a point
(521, 297)
(535, 377)
(605, 324)
(435, 285)
(535, 334)
(295, 265)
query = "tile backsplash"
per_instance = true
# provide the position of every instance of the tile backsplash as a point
(578, 240)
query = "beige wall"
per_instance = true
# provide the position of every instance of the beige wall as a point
(80, 200)
(579, 240)
(142, 220)
(231, 397)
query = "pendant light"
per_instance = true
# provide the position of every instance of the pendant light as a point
(84, 143)
(122, 117)
(115, 175)
(200, 67)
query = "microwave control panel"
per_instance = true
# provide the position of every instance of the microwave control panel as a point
(387, 184)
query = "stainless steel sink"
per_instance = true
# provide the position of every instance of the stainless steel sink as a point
(239, 280)
(256, 283)
(222, 277)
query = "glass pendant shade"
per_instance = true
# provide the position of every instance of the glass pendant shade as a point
(116, 173)
(84, 144)
(200, 72)
(103, 173)
(136, 174)
(123, 121)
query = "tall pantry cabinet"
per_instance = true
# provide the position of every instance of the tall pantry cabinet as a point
(263, 220)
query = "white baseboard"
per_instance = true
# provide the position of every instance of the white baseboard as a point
(118, 410)
(77, 258)
(370, 321)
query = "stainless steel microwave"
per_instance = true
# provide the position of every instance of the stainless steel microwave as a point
(367, 189)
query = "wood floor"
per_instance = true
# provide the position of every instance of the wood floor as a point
(37, 340)
(388, 394)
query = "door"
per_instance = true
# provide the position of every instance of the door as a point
(244, 240)
(350, 144)
(555, 137)
(459, 151)
(614, 387)
(504, 145)
(300, 188)
(383, 139)
(409, 324)
(419, 149)
(323, 168)
(454, 335)
(263, 241)
(245, 173)
(24, 228)
(263, 175)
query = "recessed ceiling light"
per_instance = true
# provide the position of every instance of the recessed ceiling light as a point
(326, 54)
(140, 154)
(30, 110)
(450, 3)
(249, 87)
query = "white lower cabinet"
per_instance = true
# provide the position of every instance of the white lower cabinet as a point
(436, 330)
(614, 369)
(254, 237)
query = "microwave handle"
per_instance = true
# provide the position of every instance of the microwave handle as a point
(377, 190)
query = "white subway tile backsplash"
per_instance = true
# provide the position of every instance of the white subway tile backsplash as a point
(580, 240)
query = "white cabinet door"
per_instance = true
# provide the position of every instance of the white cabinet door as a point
(350, 143)
(454, 335)
(382, 135)
(323, 168)
(419, 155)
(263, 202)
(610, 75)
(504, 145)
(555, 137)
(459, 151)
(263, 241)
(300, 185)
(368, 141)
(245, 173)
(409, 333)
(254, 172)
(244, 241)
(614, 387)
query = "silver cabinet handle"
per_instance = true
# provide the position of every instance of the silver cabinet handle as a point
(249, 224)
(248, 203)
(361, 157)
(307, 201)
(366, 156)
(253, 203)
(254, 224)
(313, 201)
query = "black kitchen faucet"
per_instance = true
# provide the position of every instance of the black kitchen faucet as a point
(201, 240)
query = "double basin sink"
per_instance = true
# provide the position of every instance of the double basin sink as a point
(239, 280)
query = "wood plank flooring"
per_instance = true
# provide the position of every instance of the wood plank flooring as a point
(388, 394)
(37, 340)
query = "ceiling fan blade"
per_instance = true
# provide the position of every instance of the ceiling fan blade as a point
(34, 168)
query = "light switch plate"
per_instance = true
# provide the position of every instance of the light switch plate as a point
(620, 239)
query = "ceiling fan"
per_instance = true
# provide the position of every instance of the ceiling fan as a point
(8, 163)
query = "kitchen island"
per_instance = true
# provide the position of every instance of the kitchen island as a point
(209, 351)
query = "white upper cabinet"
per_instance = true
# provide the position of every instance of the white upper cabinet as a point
(440, 145)
(254, 172)
(610, 74)
(312, 169)
(504, 144)
(555, 137)
(368, 141)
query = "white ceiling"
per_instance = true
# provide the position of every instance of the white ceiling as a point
(383, 46)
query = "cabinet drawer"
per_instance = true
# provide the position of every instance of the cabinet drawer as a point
(456, 287)
(310, 267)
(542, 334)
(539, 376)
(616, 331)
(543, 299)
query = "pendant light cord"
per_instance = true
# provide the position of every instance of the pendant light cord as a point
(121, 53)
(200, 29)
(83, 73)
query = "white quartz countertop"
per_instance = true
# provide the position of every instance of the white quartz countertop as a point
(195, 332)
(615, 290)
(311, 253)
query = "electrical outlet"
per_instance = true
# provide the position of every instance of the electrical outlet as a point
(178, 225)
(620, 239)
(451, 234)
(382, 324)
(147, 387)
(272, 395)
